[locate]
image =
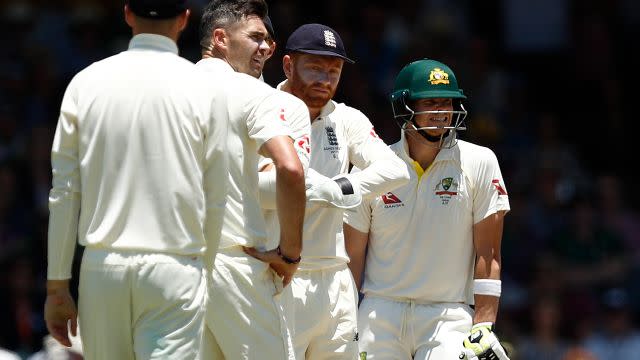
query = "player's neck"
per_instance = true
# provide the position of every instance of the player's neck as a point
(423, 154)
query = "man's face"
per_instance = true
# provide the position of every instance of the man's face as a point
(314, 78)
(249, 46)
(431, 119)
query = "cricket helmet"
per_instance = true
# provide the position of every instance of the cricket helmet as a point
(428, 79)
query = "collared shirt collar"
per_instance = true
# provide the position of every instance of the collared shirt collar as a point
(443, 154)
(212, 62)
(153, 42)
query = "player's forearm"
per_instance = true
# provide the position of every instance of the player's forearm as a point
(356, 246)
(291, 199)
(56, 286)
(486, 306)
(382, 176)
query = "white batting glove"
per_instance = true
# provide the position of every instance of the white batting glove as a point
(483, 344)
(341, 191)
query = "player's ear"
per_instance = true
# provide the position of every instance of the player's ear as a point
(183, 20)
(287, 66)
(219, 39)
(129, 18)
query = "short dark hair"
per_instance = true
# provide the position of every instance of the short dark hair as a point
(222, 13)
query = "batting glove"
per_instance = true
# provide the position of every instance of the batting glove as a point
(483, 344)
(341, 191)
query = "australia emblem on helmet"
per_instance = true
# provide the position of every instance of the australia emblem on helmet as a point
(438, 76)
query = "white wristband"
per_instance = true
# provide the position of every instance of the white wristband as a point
(489, 287)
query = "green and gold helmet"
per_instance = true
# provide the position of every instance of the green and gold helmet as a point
(428, 79)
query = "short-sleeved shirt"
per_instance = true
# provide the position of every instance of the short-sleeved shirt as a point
(257, 113)
(421, 234)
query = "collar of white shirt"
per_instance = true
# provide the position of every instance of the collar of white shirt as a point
(153, 42)
(443, 154)
(211, 64)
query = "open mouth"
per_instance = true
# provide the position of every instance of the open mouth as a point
(440, 120)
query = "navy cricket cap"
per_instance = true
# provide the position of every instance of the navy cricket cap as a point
(157, 9)
(317, 39)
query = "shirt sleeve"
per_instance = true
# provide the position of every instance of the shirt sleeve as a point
(296, 117)
(266, 116)
(64, 197)
(359, 217)
(382, 170)
(490, 191)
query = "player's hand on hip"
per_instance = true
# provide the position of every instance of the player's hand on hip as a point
(483, 344)
(285, 269)
(61, 315)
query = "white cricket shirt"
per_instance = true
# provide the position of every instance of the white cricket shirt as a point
(133, 143)
(340, 135)
(257, 113)
(421, 234)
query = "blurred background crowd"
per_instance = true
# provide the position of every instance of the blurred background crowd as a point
(550, 86)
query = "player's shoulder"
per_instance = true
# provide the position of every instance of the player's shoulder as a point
(346, 111)
(471, 153)
(470, 148)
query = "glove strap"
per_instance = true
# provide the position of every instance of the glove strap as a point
(345, 186)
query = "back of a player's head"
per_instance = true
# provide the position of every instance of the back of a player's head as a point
(157, 9)
(162, 17)
(222, 13)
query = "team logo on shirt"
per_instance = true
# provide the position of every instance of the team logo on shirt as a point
(391, 201)
(499, 187)
(446, 189)
(332, 138)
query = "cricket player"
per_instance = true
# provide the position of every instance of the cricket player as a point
(324, 293)
(245, 317)
(136, 159)
(434, 243)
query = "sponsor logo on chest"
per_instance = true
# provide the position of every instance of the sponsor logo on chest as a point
(391, 201)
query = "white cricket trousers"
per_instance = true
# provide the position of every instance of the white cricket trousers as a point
(325, 303)
(399, 329)
(137, 305)
(245, 318)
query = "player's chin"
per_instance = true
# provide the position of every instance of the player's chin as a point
(255, 70)
(316, 101)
